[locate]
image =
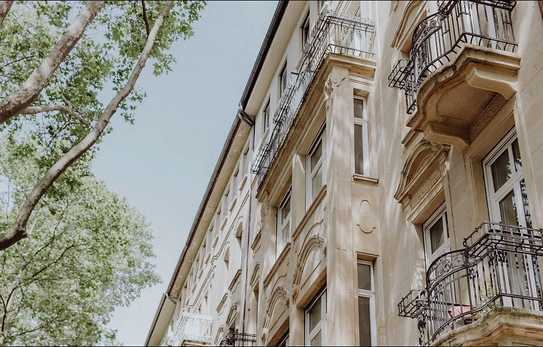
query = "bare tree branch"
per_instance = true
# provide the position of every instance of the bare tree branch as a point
(32, 87)
(4, 9)
(18, 230)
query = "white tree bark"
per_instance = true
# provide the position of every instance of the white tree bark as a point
(18, 230)
(31, 88)
(4, 9)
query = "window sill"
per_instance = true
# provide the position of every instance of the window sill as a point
(278, 261)
(366, 179)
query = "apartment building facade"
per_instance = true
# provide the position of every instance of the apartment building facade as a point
(382, 184)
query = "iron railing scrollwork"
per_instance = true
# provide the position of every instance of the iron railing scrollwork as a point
(499, 266)
(438, 38)
(235, 338)
(331, 35)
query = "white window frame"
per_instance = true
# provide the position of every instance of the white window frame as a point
(320, 327)
(306, 23)
(371, 295)
(438, 216)
(280, 243)
(283, 79)
(266, 118)
(512, 184)
(363, 122)
(319, 167)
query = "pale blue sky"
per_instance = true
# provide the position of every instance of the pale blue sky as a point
(163, 163)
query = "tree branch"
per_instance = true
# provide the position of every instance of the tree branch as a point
(32, 110)
(144, 14)
(32, 87)
(18, 230)
(4, 9)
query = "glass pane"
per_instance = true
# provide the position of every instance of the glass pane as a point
(358, 152)
(508, 210)
(316, 184)
(437, 236)
(358, 109)
(501, 170)
(316, 340)
(315, 314)
(364, 276)
(516, 155)
(316, 155)
(525, 204)
(364, 321)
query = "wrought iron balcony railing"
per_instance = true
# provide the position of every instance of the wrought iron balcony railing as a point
(499, 267)
(331, 35)
(235, 338)
(191, 327)
(439, 38)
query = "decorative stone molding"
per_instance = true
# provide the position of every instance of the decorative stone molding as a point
(417, 169)
(276, 305)
(366, 218)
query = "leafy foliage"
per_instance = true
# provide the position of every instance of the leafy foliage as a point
(88, 253)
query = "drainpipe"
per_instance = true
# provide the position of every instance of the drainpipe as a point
(247, 246)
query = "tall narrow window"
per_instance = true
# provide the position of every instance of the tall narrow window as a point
(225, 203)
(235, 183)
(366, 304)
(436, 235)
(283, 80)
(314, 321)
(305, 33)
(266, 117)
(360, 138)
(283, 224)
(315, 169)
(506, 187)
(245, 162)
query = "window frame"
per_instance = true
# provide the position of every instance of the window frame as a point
(319, 167)
(513, 184)
(440, 215)
(320, 327)
(370, 294)
(280, 226)
(283, 83)
(364, 124)
(306, 23)
(265, 118)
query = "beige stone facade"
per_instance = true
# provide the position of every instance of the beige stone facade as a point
(382, 184)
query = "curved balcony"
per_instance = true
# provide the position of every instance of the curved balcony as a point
(462, 57)
(499, 268)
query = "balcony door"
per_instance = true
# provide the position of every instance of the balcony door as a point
(517, 272)
(436, 235)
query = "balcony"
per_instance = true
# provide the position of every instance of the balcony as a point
(235, 338)
(191, 329)
(351, 38)
(461, 69)
(496, 274)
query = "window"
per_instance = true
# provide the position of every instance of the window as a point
(245, 162)
(283, 80)
(315, 316)
(225, 202)
(505, 185)
(366, 304)
(315, 169)
(283, 224)
(235, 182)
(266, 117)
(436, 235)
(305, 33)
(284, 341)
(361, 155)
